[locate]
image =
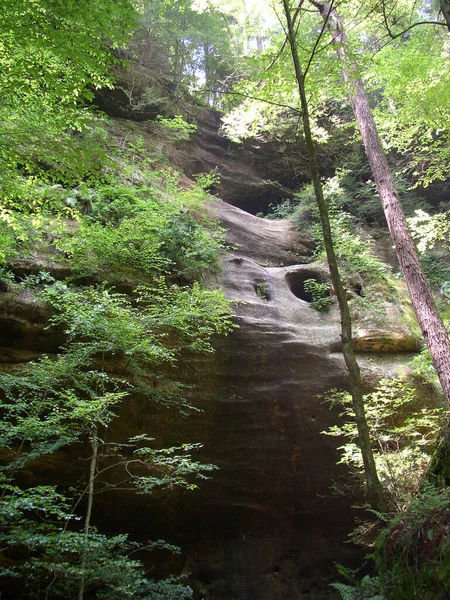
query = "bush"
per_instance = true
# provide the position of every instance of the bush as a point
(403, 435)
(152, 242)
(283, 210)
(320, 294)
(413, 551)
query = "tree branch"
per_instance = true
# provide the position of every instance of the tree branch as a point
(314, 51)
(394, 36)
(234, 93)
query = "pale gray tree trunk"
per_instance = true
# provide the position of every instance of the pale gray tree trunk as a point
(93, 441)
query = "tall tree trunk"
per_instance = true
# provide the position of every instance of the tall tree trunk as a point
(430, 322)
(374, 491)
(445, 10)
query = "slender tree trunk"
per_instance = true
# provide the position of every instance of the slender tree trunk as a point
(430, 322)
(374, 491)
(93, 440)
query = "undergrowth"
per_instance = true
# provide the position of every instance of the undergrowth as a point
(131, 223)
(410, 546)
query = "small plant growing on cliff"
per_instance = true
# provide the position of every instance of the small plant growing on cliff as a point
(177, 128)
(263, 291)
(206, 180)
(283, 210)
(369, 588)
(413, 550)
(319, 293)
(353, 252)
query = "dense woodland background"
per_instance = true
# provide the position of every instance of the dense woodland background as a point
(136, 255)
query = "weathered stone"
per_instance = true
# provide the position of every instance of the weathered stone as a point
(391, 327)
(23, 325)
(267, 242)
(266, 526)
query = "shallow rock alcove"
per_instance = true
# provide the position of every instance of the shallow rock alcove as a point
(296, 282)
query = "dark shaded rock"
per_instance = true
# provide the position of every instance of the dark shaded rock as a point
(253, 175)
(23, 325)
(38, 262)
(266, 525)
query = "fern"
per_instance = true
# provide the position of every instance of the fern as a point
(369, 588)
(347, 592)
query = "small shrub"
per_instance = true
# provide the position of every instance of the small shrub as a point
(155, 241)
(320, 294)
(436, 266)
(205, 181)
(352, 251)
(176, 127)
(35, 280)
(263, 291)
(403, 436)
(283, 210)
(413, 551)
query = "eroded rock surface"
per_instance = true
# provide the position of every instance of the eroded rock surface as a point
(267, 526)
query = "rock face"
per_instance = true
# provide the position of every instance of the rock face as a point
(268, 525)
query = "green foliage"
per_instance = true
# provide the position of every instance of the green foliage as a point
(403, 435)
(423, 369)
(176, 127)
(356, 260)
(55, 402)
(366, 589)
(206, 180)
(283, 210)
(263, 291)
(132, 247)
(361, 198)
(54, 552)
(52, 54)
(415, 123)
(42, 278)
(195, 314)
(428, 229)
(108, 204)
(413, 551)
(155, 241)
(185, 47)
(437, 270)
(320, 294)
(146, 231)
